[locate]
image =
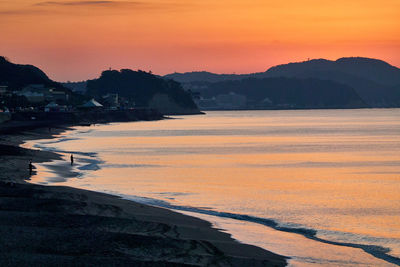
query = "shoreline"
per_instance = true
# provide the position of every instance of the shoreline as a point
(378, 252)
(132, 233)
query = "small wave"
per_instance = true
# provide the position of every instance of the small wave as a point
(117, 166)
(56, 150)
(89, 167)
(176, 194)
(59, 140)
(321, 164)
(90, 164)
(85, 131)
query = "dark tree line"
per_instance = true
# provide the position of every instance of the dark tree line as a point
(17, 76)
(297, 93)
(139, 86)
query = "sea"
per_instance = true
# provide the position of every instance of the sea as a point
(319, 186)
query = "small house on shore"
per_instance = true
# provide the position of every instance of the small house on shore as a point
(111, 100)
(38, 93)
(91, 105)
(54, 107)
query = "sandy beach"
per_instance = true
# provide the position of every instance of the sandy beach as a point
(46, 226)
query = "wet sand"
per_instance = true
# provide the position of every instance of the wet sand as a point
(48, 225)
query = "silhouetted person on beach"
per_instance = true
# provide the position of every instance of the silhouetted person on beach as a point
(72, 159)
(30, 166)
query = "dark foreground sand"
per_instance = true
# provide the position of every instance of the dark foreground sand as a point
(61, 226)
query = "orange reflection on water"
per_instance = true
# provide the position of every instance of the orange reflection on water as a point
(334, 171)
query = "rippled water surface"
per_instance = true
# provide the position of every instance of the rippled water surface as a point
(332, 176)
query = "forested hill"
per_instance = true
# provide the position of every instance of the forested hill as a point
(17, 76)
(281, 92)
(375, 81)
(370, 69)
(145, 89)
(205, 76)
(367, 68)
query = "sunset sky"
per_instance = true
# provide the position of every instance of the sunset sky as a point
(75, 40)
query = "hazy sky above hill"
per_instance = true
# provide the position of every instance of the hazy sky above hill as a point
(76, 40)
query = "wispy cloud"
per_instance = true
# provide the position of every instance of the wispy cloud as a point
(13, 12)
(81, 6)
(90, 3)
(43, 7)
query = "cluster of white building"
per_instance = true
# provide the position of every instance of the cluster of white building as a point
(222, 101)
(38, 93)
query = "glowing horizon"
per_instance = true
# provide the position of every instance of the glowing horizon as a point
(76, 40)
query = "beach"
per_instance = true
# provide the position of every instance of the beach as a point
(56, 225)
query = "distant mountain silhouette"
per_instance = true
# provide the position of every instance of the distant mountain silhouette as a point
(375, 81)
(282, 92)
(374, 70)
(78, 87)
(17, 76)
(204, 76)
(145, 89)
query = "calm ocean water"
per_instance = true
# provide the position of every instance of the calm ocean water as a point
(321, 186)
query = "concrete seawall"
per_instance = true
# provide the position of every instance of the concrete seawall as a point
(93, 116)
(24, 121)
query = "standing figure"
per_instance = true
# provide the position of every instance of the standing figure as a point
(30, 166)
(72, 159)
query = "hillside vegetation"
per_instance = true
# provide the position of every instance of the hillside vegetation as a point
(144, 89)
(376, 82)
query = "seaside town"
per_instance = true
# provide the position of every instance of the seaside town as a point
(39, 98)
(49, 107)
(27, 94)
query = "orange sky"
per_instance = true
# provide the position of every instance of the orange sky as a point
(77, 39)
